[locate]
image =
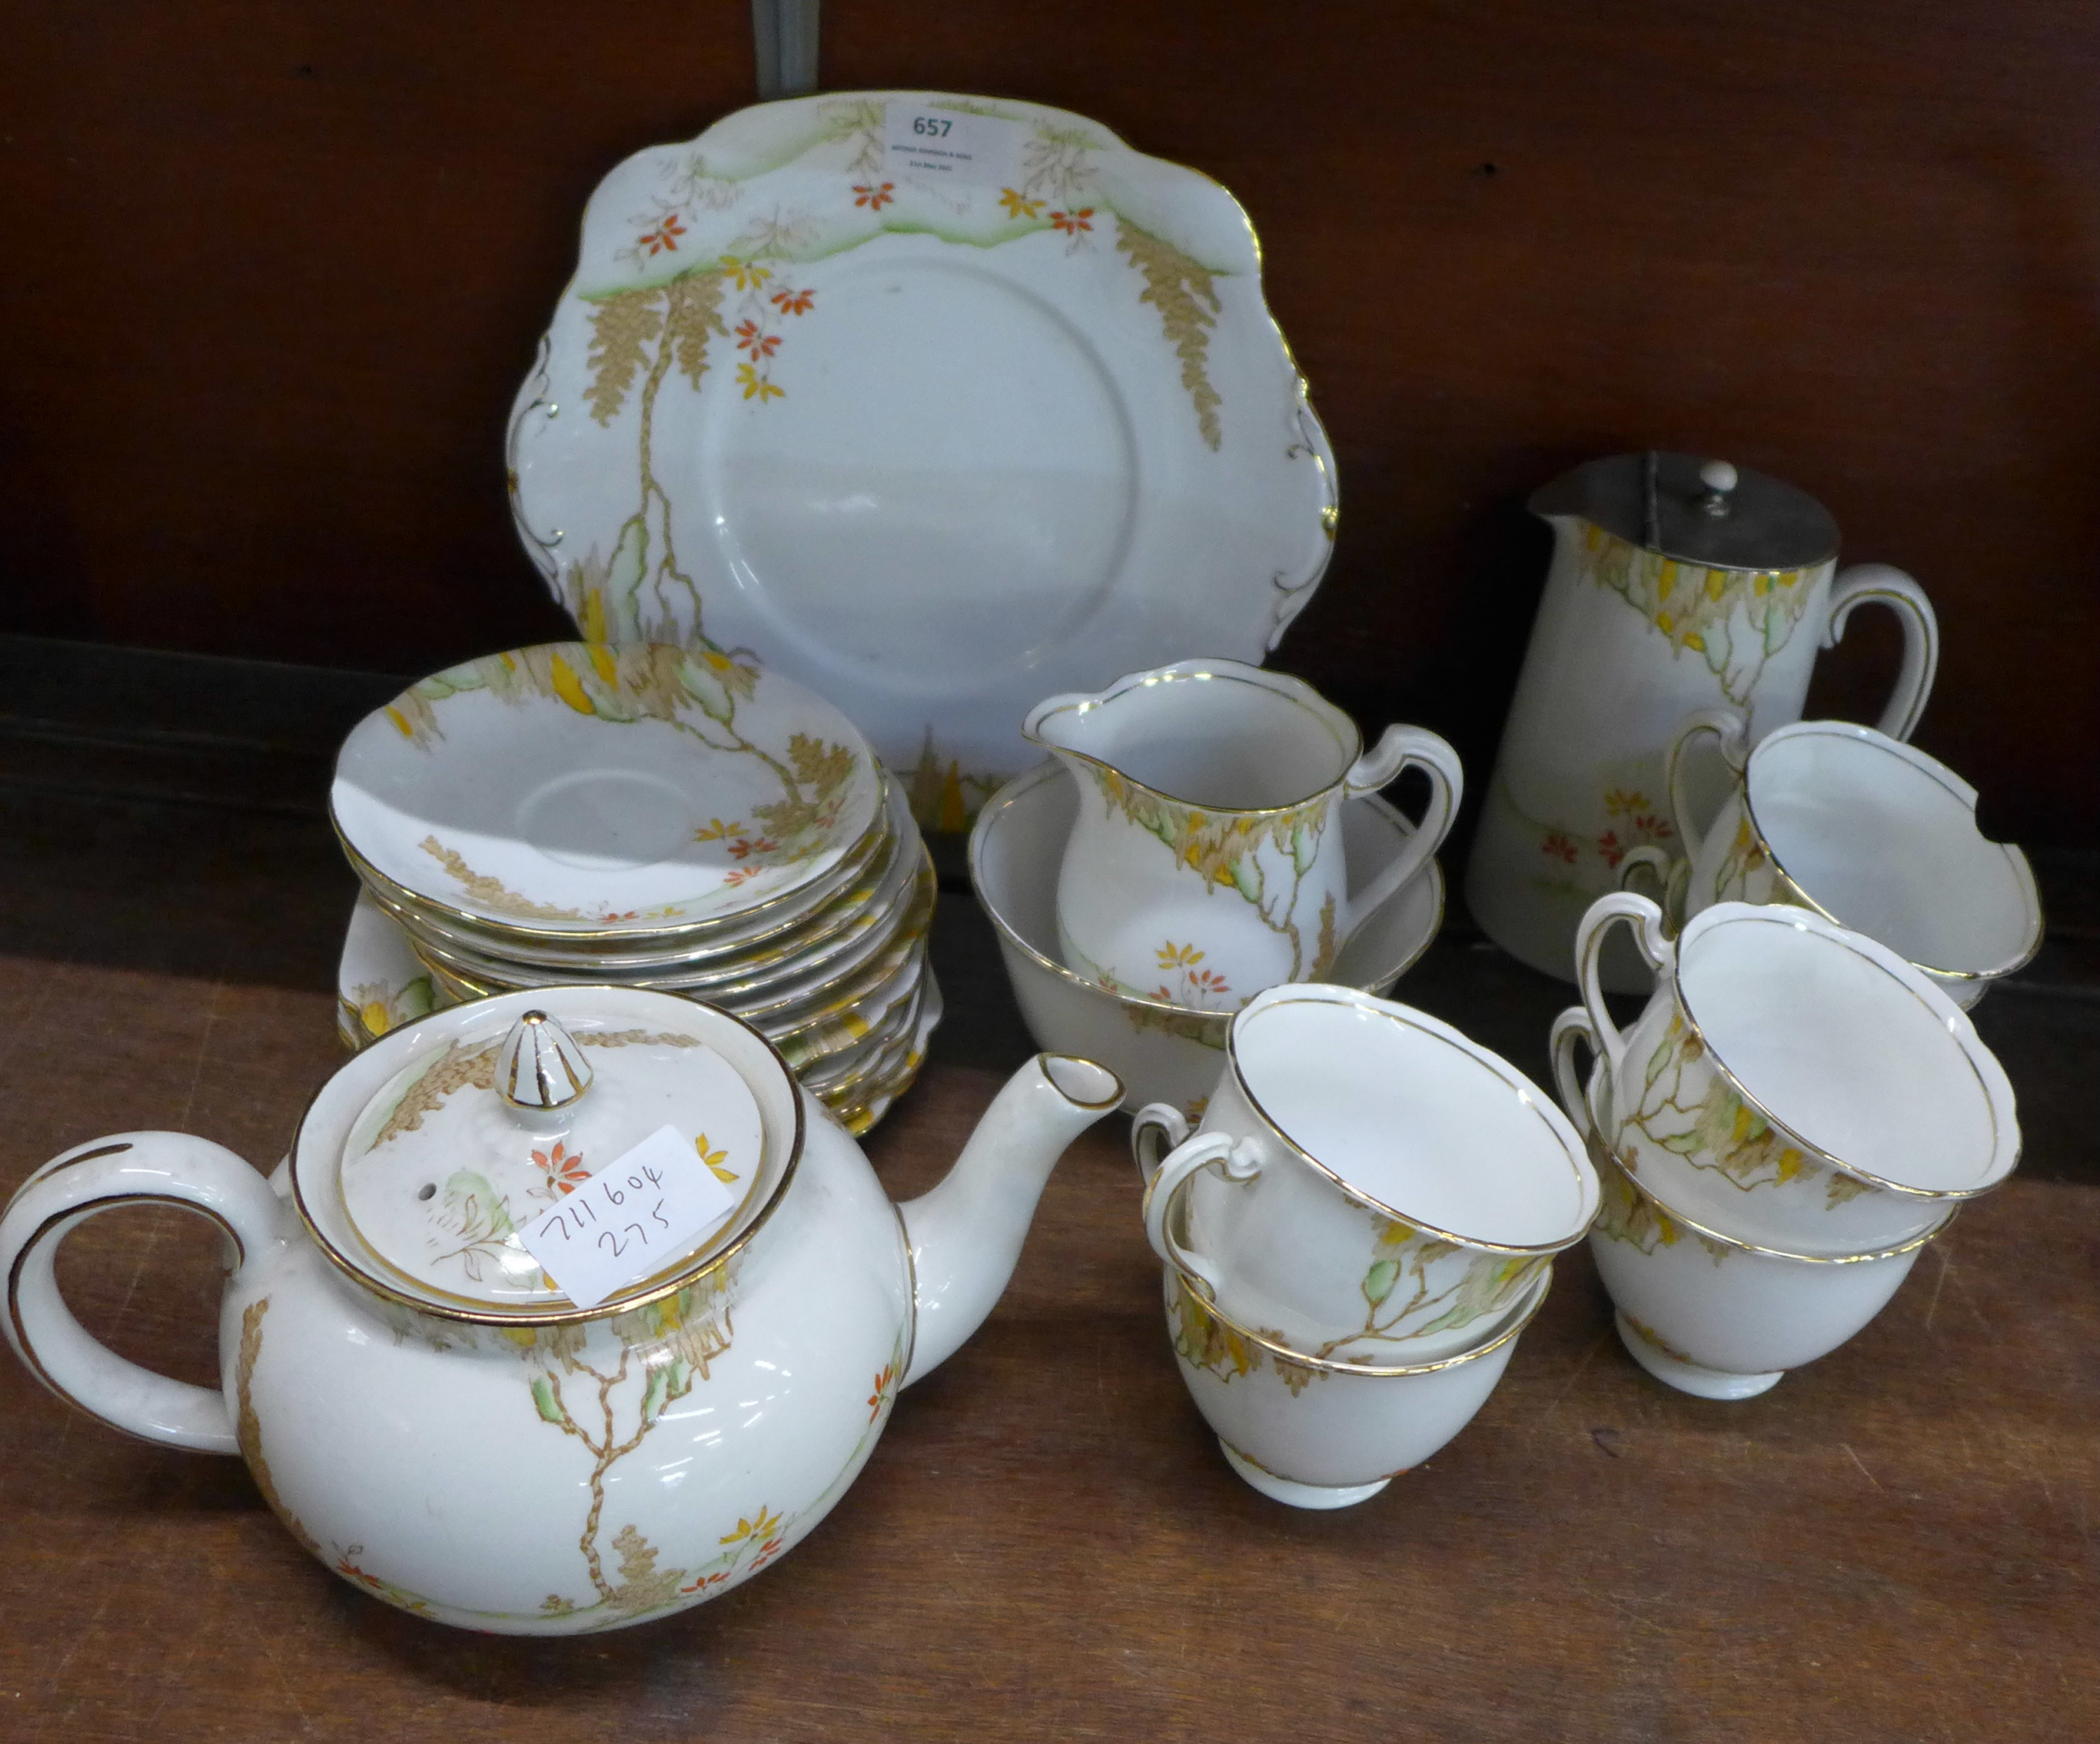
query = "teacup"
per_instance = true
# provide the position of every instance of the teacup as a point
(1865, 830)
(1316, 1433)
(1368, 1184)
(1206, 860)
(1795, 1084)
(1709, 1313)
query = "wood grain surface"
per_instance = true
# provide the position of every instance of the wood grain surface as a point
(278, 268)
(1897, 1543)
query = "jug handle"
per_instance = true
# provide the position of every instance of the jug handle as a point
(1646, 920)
(129, 1169)
(1398, 748)
(1235, 1160)
(1732, 733)
(1884, 584)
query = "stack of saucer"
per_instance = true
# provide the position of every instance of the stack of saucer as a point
(651, 816)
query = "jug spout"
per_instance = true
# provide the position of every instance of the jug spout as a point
(966, 1234)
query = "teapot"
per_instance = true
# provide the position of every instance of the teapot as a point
(432, 1415)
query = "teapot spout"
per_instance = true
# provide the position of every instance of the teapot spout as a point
(966, 1234)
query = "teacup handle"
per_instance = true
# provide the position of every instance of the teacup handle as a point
(130, 1169)
(1731, 732)
(1673, 878)
(1155, 1127)
(1883, 584)
(1646, 920)
(1235, 1160)
(1572, 1025)
(1398, 749)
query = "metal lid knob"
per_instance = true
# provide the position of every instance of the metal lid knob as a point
(1720, 478)
(539, 1066)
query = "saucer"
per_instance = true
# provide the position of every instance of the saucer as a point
(574, 789)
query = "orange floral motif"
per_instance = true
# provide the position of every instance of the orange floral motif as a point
(665, 236)
(1018, 205)
(767, 1524)
(881, 1388)
(714, 1160)
(1560, 845)
(755, 386)
(1197, 985)
(563, 1168)
(1636, 814)
(795, 301)
(874, 197)
(1073, 223)
(752, 338)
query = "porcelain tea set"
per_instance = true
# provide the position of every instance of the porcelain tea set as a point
(575, 1303)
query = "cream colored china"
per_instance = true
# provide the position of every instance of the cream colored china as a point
(1866, 830)
(1163, 1052)
(925, 438)
(582, 790)
(788, 929)
(904, 903)
(1324, 1434)
(381, 984)
(1676, 584)
(1206, 863)
(427, 1412)
(1708, 1314)
(1794, 1084)
(876, 1095)
(1367, 1185)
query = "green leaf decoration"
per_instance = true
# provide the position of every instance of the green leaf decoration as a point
(1379, 1280)
(652, 1395)
(548, 1402)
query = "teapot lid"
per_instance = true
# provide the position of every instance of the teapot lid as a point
(423, 1173)
(1695, 510)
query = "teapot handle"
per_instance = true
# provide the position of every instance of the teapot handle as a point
(1398, 748)
(1886, 585)
(1236, 1161)
(130, 1169)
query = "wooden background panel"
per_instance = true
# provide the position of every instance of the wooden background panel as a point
(280, 268)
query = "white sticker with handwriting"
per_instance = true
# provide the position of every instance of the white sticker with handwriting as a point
(631, 1218)
(946, 145)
